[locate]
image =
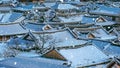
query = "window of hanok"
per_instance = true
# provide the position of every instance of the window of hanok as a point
(4, 38)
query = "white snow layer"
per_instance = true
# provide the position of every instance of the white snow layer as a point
(64, 38)
(66, 6)
(22, 62)
(71, 19)
(84, 56)
(11, 29)
(6, 18)
(2, 49)
(27, 54)
(100, 33)
(105, 23)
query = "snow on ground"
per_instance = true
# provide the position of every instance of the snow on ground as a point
(84, 56)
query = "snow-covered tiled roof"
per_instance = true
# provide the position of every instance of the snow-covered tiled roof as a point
(24, 8)
(64, 39)
(34, 26)
(106, 23)
(71, 19)
(40, 7)
(39, 27)
(2, 49)
(2, 9)
(22, 62)
(49, 4)
(11, 29)
(101, 34)
(22, 43)
(9, 17)
(104, 10)
(107, 47)
(86, 55)
(90, 20)
(64, 6)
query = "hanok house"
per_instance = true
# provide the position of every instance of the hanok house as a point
(67, 40)
(85, 33)
(53, 38)
(78, 57)
(94, 33)
(9, 30)
(101, 34)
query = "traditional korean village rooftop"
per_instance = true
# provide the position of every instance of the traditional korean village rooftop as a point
(59, 34)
